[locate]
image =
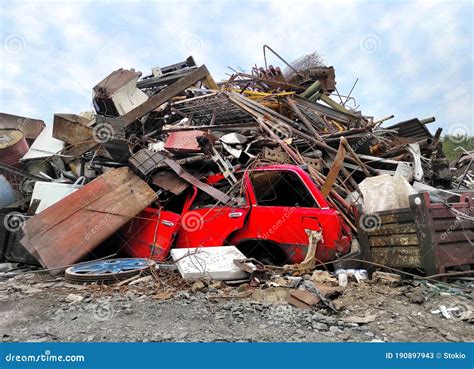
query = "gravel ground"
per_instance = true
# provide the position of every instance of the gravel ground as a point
(32, 309)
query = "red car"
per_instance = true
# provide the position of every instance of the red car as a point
(278, 207)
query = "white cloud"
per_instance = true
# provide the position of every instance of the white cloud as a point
(423, 51)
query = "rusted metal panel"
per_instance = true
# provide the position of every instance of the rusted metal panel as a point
(188, 177)
(170, 181)
(444, 224)
(12, 146)
(106, 88)
(74, 130)
(393, 229)
(397, 257)
(455, 254)
(71, 128)
(334, 171)
(458, 235)
(446, 213)
(412, 129)
(67, 231)
(185, 142)
(394, 240)
(395, 217)
(29, 126)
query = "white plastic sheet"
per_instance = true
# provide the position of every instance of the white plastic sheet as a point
(385, 192)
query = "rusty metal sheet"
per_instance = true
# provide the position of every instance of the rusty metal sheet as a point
(113, 82)
(334, 171)
(13, 146)
(188, 177)
(170, 181)
(184, 142)
(74, 130)
(398, 257)
(392, 229)
(29, 126)
(394, 240)
(68, 230)
(71, 128)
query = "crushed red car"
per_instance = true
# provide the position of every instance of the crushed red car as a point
(275, 211)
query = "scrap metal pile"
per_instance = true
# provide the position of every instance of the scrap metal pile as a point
(160, 148)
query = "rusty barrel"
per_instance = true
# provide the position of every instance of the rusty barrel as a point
(13, 146)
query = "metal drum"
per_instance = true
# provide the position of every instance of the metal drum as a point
(12, 146)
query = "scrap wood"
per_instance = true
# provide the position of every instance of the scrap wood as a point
(306, 297)
(108, 203)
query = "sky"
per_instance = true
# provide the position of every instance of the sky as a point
(412, 58)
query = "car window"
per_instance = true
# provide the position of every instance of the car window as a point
(281, 188)
(203, 200)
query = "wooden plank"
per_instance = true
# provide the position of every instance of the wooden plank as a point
(396, 217)
(397, 257)
(393, 229)
(307, 297)
(68, 230)
(393, 240)
(166, 94)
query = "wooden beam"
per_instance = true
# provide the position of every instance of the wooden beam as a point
(166, 94)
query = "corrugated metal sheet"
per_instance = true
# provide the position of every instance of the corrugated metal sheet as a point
(412, 128)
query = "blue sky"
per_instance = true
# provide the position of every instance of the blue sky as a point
(413, 59)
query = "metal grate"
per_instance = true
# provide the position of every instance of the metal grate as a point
(201, 110)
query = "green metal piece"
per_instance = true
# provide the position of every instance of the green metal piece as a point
(311, 90)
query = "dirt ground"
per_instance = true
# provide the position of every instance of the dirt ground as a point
(36, 308)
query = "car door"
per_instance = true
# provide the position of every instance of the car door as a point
(206, 223)
(150, 234)
(284, 210)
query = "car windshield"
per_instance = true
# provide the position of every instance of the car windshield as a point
(281, 188)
